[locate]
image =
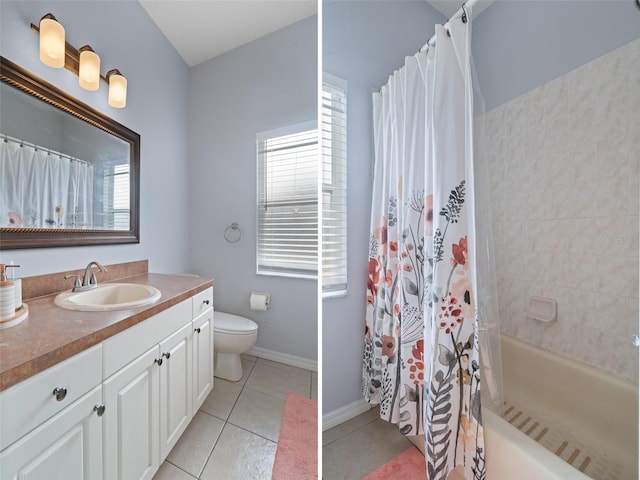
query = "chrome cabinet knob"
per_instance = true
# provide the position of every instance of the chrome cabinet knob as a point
(198, 330)
(158, 361)
(206, 302)
(59, 393)
(167, 355)
(99, 409)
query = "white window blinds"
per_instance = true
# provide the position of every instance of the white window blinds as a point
(334, 186)
(288, 202)
(116, 197)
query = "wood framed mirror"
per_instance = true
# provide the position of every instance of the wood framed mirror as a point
(69, 174)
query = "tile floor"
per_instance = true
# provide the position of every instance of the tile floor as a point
(234, 434)
(358, 446)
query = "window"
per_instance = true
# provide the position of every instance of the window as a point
(288, 201)
(116, 197)
(334, 186)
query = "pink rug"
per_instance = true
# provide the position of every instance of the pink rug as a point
(409, 465)
(297, 452)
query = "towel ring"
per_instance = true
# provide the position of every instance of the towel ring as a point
(228, 232)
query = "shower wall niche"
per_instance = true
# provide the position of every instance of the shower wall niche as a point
(564, 171)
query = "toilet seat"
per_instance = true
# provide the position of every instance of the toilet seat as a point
(233, 324)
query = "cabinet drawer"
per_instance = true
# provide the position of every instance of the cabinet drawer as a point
(202, 302)
(124, 347)
(29, 403)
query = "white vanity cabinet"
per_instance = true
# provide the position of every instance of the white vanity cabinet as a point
(51, 425)
(115, 410)
(150, 397)
(202, 347)
(147, 393)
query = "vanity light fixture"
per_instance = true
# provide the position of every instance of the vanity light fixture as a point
(51, 41)
(117, 89)
(56, 52)
(89, 68)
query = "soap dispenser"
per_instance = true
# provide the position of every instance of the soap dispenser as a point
(17, 283)
(7, 295)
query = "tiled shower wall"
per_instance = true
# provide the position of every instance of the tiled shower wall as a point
(564, 168)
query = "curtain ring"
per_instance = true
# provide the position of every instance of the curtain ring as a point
(464, 13)
(229, 236)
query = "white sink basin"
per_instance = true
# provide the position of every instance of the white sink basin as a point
(110, 296)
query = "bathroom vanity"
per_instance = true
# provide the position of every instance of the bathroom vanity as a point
(90, 395)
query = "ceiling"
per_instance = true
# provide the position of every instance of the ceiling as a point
(449, 7)
(445, 7)
(202, 29)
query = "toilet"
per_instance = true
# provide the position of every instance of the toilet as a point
(232, 336)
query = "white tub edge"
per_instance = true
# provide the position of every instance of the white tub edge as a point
(513, 455)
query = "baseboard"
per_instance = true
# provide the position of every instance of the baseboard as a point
(342, 414)
(285, 358)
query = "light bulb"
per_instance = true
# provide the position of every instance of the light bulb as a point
(117, 89)
(89, 71)
(51, 42)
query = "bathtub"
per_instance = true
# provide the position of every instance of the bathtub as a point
(579, 412)
(513, 455)
(582, 414)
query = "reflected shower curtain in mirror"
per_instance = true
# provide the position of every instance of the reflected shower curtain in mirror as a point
(421, 359)
(43, 189)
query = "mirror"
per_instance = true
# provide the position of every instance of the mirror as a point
(69, 175)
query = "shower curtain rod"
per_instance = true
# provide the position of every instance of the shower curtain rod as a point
(7, 138)
(464, 10)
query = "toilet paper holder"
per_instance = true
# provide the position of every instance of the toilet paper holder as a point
(259, 300)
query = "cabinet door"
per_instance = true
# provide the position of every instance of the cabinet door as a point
(131, 420)
(202, 358)
(175, 388)
(66, 447)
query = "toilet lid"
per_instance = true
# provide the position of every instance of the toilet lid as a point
(233, 324)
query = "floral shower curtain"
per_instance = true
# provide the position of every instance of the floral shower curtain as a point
(421, 360)
(44, 189)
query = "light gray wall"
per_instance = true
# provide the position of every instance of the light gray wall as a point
(125, 37)
(269, 83)
(363, 42)
(518, 46)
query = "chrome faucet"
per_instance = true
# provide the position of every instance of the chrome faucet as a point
(89, 279)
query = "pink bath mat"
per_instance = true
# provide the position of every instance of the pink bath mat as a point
(409, 465)
(297, 452)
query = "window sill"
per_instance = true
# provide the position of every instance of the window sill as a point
(336, 294)
(296, 276)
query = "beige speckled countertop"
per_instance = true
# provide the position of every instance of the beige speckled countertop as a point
(51, 334)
